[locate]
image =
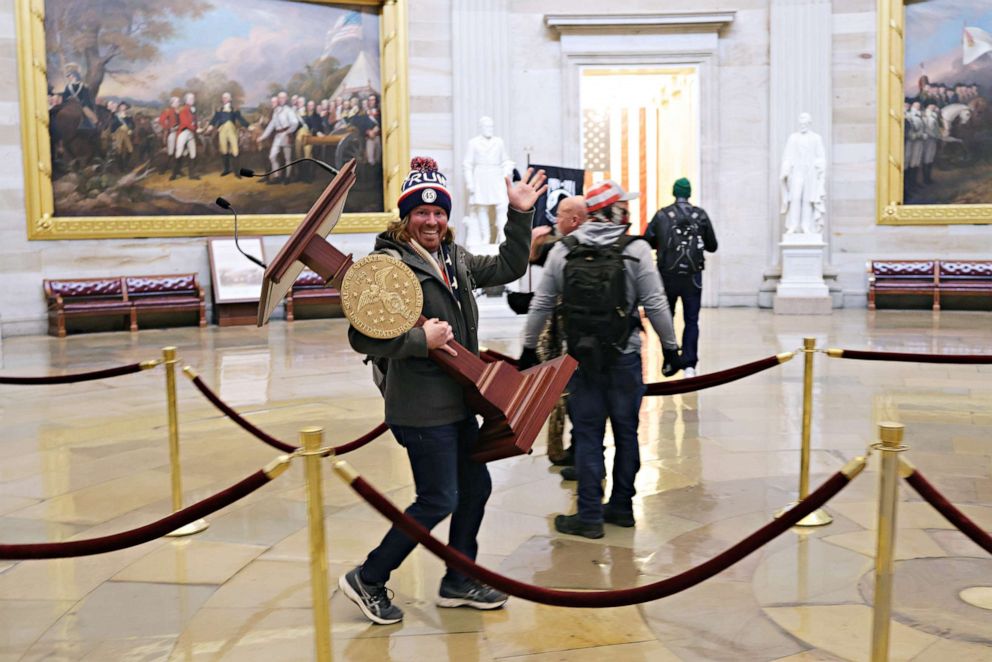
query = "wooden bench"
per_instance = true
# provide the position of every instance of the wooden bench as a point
(963, 277)
(126, 297)
(930, 278)
(168, 293)
(84, 297)
(308, 290)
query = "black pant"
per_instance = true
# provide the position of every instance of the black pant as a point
(688, 287)
(448, 482)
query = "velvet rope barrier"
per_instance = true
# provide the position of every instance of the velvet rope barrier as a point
(148, 532)
(863, 355)
(609, 598)
(267, 438)
(950, 512)
(712, 379)
(677, 386)
(92, 375)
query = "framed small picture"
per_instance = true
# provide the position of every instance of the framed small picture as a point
(236, 279)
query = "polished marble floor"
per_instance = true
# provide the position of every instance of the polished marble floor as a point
(91, 459)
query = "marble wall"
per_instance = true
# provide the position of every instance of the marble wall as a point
(738, 197)
(855, 236)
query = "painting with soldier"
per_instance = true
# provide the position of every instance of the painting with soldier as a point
(153, 102)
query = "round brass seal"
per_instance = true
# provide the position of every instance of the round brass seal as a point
(381, 296)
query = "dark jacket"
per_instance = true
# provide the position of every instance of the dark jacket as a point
(417, 392)
(660, 228)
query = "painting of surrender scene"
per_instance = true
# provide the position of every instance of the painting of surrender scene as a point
(948, 89)
(155, 105)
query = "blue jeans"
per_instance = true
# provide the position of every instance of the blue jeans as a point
(592, 398)
(448, 482)
(688, 287)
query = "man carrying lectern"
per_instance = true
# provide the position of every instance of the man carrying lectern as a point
(425, 408)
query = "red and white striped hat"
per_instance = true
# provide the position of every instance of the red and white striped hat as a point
(605, 193)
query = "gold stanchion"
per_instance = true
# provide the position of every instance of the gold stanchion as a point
(171, 401)
(818, 517)
(891, 435)
(311, 439)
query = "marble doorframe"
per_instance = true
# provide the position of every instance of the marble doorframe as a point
(650, 40)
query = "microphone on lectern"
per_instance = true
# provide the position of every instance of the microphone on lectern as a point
(248, 172)
(224, 204)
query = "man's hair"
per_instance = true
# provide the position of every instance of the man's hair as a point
(399, 230)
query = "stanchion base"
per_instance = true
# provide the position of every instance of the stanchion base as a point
(190, 529)
(816, 518)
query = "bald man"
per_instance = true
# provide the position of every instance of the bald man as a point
(571, 213)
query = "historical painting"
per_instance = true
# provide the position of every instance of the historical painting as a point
(235, 278)
(935, 138)
(156, 107)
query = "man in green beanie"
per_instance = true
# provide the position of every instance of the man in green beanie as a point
(681, 232)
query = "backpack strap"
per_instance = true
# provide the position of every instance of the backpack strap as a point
(626, 240)
(570, 242)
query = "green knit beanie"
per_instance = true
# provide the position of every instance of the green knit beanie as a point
(682, 188)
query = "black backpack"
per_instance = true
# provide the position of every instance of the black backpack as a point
(595, 307)
(684, 247)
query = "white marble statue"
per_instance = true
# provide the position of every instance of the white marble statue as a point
(803, 177)
(486, 164)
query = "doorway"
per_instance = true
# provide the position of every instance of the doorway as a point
(640, 127)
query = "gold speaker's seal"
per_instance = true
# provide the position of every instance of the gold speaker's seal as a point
(381, 297)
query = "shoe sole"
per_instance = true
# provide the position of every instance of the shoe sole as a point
(352, 595)
(626, 525)
(462, 602)
(581, 535)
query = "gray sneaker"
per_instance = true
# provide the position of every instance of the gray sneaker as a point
(469, 593)
(372, 599)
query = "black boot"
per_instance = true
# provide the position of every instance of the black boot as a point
(928, 174)
(227, 165)
(192, 173)
(235, 167)
(175, 169)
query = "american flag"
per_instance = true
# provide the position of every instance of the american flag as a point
(643, 144)
(596, 140)
(347, 28)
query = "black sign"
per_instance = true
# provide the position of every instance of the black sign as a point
(562, 183)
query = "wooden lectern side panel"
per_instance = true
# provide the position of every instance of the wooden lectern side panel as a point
(531, 405)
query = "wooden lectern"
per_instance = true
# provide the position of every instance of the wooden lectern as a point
(514, 405)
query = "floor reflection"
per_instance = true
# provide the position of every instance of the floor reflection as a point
(91, 459)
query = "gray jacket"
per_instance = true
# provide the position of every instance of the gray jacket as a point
(643, 282)
(417, 392)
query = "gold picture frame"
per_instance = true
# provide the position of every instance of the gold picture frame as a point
(891, 209)
(43, 224)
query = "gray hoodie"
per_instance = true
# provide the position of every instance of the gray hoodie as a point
(643, 281)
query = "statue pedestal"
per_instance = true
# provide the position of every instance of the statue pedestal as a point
(802, 290)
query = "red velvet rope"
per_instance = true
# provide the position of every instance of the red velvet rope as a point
(862, 355)
(75, 377)
(950, 512)
(676, 386)
(141, 535)
(712, 379)
(610, 598)
(265, 437)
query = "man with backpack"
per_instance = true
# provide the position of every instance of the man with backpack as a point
(602, 275)
(680, 233)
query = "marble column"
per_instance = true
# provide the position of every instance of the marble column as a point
(800, 81)
(480, 82)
